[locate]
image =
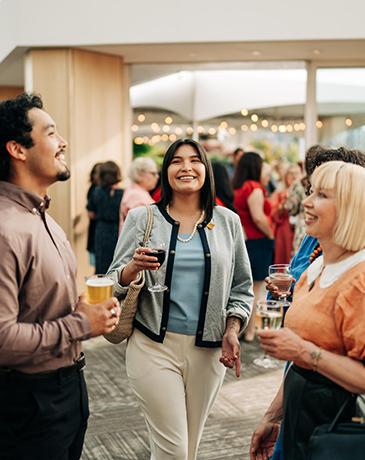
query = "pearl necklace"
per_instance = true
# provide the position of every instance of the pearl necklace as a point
(191, 236)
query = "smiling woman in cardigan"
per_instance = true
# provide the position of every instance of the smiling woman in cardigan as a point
(185, 336)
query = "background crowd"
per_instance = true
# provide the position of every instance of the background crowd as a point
(267, 197)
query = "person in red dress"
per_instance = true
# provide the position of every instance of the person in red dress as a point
(283, 230)
(254, 208)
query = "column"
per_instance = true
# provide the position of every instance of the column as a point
(310, 111)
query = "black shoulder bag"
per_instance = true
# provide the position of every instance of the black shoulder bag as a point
(338, 441)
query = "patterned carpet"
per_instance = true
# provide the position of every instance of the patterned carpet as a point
(117, 429)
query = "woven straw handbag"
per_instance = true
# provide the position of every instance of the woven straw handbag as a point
(129, 305)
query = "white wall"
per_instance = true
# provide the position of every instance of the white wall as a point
(8, 30)
(90, 22)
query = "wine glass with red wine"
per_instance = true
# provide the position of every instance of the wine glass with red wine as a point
(158, 251)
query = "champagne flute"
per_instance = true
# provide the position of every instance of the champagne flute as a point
(158, 251)
(268, 316)
(281, 278)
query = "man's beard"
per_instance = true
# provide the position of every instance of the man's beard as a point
(64, 175)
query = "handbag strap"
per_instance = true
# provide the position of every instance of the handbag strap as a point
(149, 225)
(350, 398)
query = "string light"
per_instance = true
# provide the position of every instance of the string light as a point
(254, 117)
(212, 131)
(164, 137)
(138, 140)
(264, 123)
(244, 128)
(232, 131)
(253, 127)
(168, 120)
(172, 137)
(282, 129)
(319, 124)
(155, 127)
(189, 130)
(223, 125)
(274, 128)
(244, 112)
(200, 129)
(166, 129)
(134, 128)
(141, 117)
(156, 139)
(348, 122)
(178, 131)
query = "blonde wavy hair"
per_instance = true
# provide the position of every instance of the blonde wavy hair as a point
(348, 183)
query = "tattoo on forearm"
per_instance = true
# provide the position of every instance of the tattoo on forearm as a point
(234, 323)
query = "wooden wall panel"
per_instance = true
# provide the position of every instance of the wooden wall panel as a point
(84, 93)
(47, 72)
(9, 92)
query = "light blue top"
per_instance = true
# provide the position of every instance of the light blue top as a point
(186, 286)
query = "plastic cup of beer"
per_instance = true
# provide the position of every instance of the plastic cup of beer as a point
(99, 288)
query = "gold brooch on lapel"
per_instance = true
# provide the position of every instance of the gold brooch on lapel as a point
(210, 225)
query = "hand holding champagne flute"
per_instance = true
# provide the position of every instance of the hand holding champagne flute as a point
(269, 316)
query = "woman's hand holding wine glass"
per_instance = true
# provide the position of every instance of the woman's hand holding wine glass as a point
(159, 251)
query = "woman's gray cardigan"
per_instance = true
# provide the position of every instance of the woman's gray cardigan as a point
(227, 279)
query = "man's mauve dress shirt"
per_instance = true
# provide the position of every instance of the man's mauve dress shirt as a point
(39, 329)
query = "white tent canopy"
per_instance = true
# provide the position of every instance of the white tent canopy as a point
(201, 95)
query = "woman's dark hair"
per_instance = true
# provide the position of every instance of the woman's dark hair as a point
(223, 187)
(109, 174)
(15, 126)
(207, 194)
(249, 168)
(317, 155)
(94, 174)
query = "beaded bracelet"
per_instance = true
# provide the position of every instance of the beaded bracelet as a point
(316, 253)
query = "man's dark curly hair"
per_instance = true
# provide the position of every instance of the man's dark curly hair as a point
(318, 155)
(15, 126)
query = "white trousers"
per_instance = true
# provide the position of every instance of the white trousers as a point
(176, 384)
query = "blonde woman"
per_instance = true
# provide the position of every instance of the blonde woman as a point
(324, 335)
